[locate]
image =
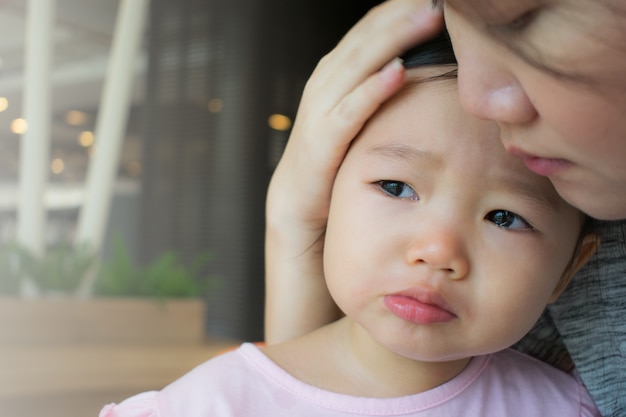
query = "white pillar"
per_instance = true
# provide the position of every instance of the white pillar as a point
(110, 126)
(35, 142)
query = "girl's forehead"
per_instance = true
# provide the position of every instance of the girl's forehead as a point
(427, 114)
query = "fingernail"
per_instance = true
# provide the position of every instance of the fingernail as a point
(394, 66)
(425, 14)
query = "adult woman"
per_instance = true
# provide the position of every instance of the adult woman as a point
(551, 74)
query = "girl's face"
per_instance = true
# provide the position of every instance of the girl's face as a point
(552, 74)
(440, 244)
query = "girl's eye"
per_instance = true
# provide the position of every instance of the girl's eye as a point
(508, 220)
(398, 189)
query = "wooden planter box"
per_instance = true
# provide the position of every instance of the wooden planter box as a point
(61, 321)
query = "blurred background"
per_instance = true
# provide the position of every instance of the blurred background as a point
(137, 139)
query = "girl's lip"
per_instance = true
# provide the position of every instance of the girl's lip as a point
(420, 306)
(539, 165)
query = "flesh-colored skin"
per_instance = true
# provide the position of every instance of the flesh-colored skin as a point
(426, 279)
(566, 121)
(439, 242)
(334, 107)
(578, 126)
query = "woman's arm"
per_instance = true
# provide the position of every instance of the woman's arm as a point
(345, 89)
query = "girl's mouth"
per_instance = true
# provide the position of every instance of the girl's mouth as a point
(419, 308)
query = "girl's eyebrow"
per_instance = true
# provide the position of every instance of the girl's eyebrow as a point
(538, 196)
(403, 153)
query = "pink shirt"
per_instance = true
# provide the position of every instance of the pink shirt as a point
(247, 383)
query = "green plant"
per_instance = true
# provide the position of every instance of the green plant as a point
(60, 269)
(10, 275)
(166, 276)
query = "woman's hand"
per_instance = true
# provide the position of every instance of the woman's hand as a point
(348, 85)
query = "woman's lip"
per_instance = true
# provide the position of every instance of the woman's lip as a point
(539, 165)
(419, 306)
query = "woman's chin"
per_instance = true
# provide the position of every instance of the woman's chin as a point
(599, 202)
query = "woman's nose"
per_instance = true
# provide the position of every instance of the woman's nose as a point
(489, 86)
(441, 249)
(493, 94)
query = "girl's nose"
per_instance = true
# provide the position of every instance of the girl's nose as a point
(442, 249)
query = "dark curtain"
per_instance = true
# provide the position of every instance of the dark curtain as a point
(206, 168)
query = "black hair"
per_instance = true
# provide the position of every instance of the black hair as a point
(436, 51)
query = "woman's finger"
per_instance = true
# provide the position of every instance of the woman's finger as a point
(384, 33)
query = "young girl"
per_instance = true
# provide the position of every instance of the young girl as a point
(441, 250)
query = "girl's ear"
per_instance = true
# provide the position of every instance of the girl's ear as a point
(587, 248)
